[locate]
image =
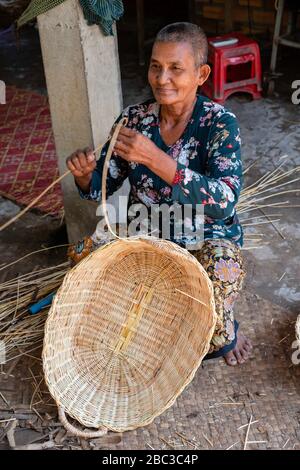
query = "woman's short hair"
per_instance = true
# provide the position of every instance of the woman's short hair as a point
(186, 32)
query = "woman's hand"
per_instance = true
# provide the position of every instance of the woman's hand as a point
(135, 147)
(82, 164)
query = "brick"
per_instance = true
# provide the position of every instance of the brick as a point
(269, 5)
(199, 6)
(263, 17)
(254, 30)
(213, 12)
(252, 3)
(240, 15)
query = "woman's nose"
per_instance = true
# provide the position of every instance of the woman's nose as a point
(162, 77)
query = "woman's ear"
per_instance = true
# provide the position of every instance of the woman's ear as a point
(203, 73)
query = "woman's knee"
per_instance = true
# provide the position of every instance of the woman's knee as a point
(223, 261)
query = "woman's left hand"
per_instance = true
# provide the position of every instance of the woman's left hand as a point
(135, 147)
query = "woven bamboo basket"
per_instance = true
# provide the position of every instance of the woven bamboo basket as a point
(127, 331)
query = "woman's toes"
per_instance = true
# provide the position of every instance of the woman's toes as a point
(238, 356)
(240, 353)
(245, 353)
(230, 359)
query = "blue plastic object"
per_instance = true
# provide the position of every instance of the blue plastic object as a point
(37, 307)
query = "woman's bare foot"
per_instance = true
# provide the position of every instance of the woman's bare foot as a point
(241, 352)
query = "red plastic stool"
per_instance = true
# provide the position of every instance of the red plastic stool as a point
(235, 65)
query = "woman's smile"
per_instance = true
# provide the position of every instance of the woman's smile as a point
(164, 91)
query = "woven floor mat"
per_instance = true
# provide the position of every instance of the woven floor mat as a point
(28, 162)
(221, 399)
(212, 412)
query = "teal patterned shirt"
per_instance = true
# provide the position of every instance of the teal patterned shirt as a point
(209, 171)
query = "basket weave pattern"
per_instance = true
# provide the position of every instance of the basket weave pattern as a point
(126, 333)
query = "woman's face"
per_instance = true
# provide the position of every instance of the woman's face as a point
(172, 73)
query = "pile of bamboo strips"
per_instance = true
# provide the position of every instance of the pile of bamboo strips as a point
(21, 332)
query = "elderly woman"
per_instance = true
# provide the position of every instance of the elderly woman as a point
(183, 148)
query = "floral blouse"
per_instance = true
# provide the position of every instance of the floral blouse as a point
(209, 171)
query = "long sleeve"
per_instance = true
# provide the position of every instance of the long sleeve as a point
(117, 173)
(219, 188)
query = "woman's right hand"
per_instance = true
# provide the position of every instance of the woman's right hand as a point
(82, 164)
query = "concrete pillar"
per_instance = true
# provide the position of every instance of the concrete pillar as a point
(84, 87)
(2, 93)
